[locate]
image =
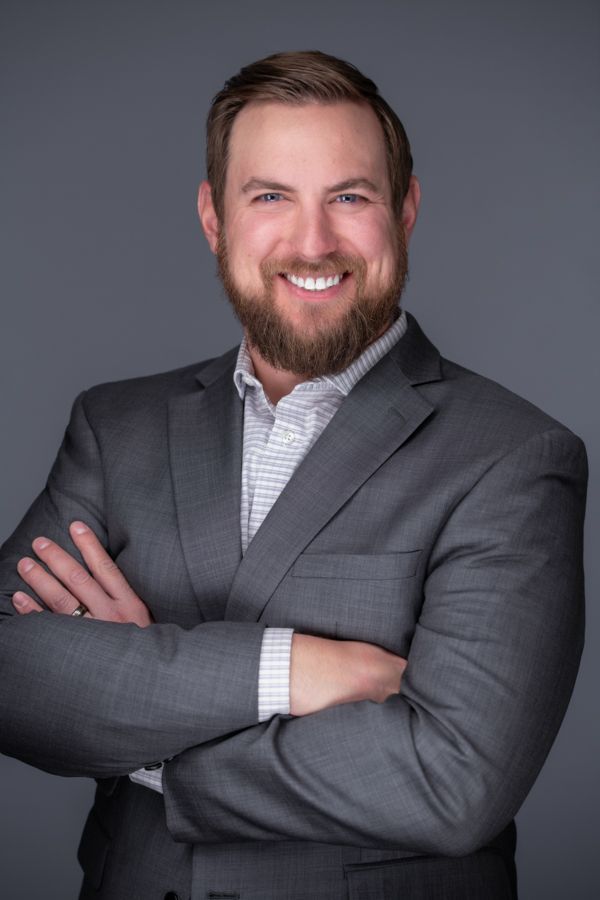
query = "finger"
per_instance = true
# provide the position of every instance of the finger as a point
(128, 607)
(25, 604)
(72, 576)
(54, 594)
(103, 568)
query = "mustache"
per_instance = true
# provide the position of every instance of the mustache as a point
(332, 264)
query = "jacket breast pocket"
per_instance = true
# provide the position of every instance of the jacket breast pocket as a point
(371, 597)
(357, 566)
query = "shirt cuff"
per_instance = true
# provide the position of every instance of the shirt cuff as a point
(150, 778)
(274, 673)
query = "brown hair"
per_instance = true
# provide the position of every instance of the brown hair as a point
(299, 77)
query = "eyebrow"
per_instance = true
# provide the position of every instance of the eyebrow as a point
(254, 184)
(352, 183)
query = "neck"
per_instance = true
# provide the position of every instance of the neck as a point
(277, 383)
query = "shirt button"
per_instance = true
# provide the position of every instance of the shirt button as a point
(289, 437)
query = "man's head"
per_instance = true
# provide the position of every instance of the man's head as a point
(298, 78)
(308, 206)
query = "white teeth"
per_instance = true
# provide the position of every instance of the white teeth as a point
(314, 284)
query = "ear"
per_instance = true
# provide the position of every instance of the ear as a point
(208, 215)
(410, 206)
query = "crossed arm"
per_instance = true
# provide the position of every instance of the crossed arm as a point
(445, 764)
(440, 767)
(323, 672)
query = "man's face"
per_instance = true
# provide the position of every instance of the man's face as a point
(310, 252)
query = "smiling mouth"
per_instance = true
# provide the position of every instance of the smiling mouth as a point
(321, 283)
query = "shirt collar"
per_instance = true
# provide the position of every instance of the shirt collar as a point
(343, 382)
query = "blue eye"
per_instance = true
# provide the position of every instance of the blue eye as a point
(269, 198)
(348, 198)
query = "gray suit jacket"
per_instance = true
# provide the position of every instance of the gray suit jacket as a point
(438, 515)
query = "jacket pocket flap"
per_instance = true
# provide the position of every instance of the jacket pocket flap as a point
(479, 876)
(357, 566)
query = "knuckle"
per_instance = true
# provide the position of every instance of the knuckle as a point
(79, 576)
(107, 565)
(63, 603)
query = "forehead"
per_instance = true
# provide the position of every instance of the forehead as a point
(329, 141)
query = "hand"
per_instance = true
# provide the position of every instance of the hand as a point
(105, 592)
(325, 673)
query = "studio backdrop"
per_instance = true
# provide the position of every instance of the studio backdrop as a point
(106, 274)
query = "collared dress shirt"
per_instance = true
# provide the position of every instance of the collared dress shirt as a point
(276, 439)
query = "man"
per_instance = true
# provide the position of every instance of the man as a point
(328, 614)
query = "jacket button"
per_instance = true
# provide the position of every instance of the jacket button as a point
(171, 895)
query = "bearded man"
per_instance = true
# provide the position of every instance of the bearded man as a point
(312, 609)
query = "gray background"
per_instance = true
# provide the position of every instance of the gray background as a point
(106, 273)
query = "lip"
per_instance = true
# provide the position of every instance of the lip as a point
(315, 296)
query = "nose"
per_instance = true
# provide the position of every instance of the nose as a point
(312, 234)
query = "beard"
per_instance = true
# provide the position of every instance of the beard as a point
(319, 347)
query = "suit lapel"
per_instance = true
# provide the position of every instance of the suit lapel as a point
(375, 419)
(205, 445)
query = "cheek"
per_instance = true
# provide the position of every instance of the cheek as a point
(374, 240)
(380, 255)
(249, 246)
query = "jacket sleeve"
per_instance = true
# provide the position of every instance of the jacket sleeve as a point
(444, 765)
(81, 697)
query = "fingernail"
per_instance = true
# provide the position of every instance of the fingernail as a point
(41, 543)
(26, 564)
(19, 599)
(79, 527)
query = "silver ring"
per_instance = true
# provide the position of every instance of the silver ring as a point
(80, 611)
